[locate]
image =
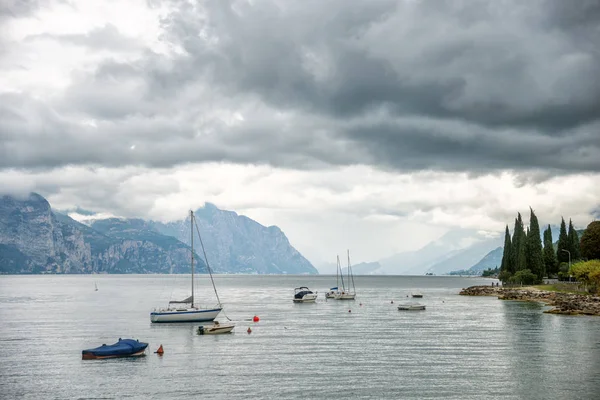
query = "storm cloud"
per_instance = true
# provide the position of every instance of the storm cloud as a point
(405, 85)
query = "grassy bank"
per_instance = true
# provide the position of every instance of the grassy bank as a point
(562, 288)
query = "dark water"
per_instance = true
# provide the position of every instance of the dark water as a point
(459, 348)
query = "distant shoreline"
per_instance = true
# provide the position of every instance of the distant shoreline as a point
(562, 303)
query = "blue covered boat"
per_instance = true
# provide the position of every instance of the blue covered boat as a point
(123, 348)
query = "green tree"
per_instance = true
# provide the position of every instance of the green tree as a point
(535, 256)
(506, 264)
(550, 261)
(563, 244)
(587, 272)
(524, 277)
(590, 241)
(518, 245)
(573, 239)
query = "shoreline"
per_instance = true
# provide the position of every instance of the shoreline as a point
(562, 303)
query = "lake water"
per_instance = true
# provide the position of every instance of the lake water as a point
(459, 348)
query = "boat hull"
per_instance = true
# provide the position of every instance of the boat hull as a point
(411, 307)
(141, 353)
(216, 329)
(345, 296)
(189, 315)
(123, 348)
(306, 299)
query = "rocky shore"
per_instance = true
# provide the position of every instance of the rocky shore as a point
(562, 303)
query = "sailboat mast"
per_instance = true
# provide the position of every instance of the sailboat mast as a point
(350, 274)
(192, 245)
(341, 275)
(337, 274)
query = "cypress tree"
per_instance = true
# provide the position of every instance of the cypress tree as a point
(518, 245)
(573, 239)
(563, 244)
(535, 256)
(549, 256)
(506, 254)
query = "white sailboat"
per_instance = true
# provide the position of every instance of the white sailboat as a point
(347, 294)
(187, 310)
(335, 290)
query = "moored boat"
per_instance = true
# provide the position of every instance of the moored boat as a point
(123, 348)
(187, 310)
(346, 293)
(304, 295)
(215, 329)
(332, 292)
(411, 307)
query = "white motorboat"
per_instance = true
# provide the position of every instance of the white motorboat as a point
(411, 307)
(187, 310)
(215, 329)
(304, 295)
(417, 295)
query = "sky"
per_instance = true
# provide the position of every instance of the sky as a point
(375, 126)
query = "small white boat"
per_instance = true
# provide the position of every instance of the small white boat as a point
(411, 307)
(304, 295)
(417, 295)
(332, 292)
(215, 329)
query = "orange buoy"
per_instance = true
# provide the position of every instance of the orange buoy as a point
(249, 330)
(160, 351)
(256, 319)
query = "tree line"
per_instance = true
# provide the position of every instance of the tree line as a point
(526, 259)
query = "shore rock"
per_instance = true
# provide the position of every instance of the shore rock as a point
(563, 303)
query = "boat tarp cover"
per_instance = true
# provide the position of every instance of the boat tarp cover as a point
(333, 288)
(121, 348)
(301, 294)
(186, 301)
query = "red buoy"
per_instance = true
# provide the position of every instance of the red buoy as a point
(349, 310)
(160, 351)
(256, 319)
(249, 330)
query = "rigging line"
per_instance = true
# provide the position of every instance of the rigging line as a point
(207, 265)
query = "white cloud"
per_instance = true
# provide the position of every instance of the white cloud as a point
(368, 131)
(371, 212)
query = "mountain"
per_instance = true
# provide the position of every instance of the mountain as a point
(236, 243)
(364, 268)
(464, 258)
(456, 247)
(35, 239)
(491, 260)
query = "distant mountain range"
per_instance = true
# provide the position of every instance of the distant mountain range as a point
(36, 239)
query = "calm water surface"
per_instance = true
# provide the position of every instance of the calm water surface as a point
(459, 348)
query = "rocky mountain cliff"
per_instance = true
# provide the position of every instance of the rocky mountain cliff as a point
(35, 239)
(235, 243)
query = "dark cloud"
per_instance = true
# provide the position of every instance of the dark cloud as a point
(19, 8)
(401, 84)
